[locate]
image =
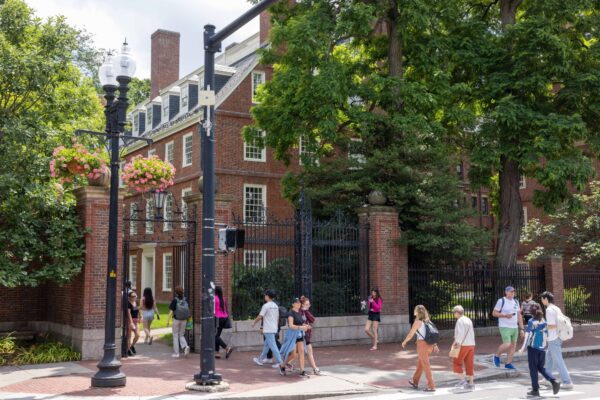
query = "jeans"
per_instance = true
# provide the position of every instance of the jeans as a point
(178, 332)
(536, 358)
(270, 345)
(218, 341)
(554, 360)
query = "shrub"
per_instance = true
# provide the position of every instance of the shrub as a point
(437, 297)
(576, 301)
(48, 352)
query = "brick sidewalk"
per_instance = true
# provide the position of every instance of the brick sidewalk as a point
(154, 373)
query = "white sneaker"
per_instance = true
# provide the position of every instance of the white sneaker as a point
(461, 383)
(267, 361)
(186, 351)
(275, 366)
(566, 386)
(257, 361)
(175, 355)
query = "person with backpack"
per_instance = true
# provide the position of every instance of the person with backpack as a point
(526, 307)
(536, 342)
(222, 321)
(463, 349)
(510, 324)
(375, 303)
(427, 338)
(179, 311)
(269, 315)
(559, 329)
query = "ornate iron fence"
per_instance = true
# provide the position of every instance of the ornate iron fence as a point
(476, 287)
(582, 296)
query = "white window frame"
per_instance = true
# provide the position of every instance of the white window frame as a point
(168, 219)
(263, 76)
(121, 166)
(134, 124)
(302, 151)
(149, 211)
(264, 203)
(151, 152)
(185, 94)
(165, 109)
(170, 145)
(133, 269)
(184, 206)
(525, 216)
(522, 181)
(184, 162)
(358, 157)
(254, 148)
(133, 215)
(166, 288)
(149, 117)
(263, 261)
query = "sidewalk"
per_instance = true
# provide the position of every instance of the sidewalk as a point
(347, 370)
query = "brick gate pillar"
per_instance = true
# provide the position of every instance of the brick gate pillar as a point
(553, 266)
(388, 267)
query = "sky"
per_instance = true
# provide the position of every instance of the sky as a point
(110, 21)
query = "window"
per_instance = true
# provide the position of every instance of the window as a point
(474, 202)
(168, 213)
(184, 207)
(165, 108)
(133, 215)
(460, 171)
(150, 215)
(525, 216)
(522, 181)
(149, 117)
(151, 152)
(133, 270)
(167, 272)
(187, 150)
(255, 258)
(254, 203)
(258, 78)
(170, 152)
(354, 153)
(303, 151)
(134, 124)
(185, 92)
(121, 166)
(253, 150)
(485, 206)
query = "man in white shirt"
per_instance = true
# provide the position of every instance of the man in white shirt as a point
(554, 358)
(510, 323)
(269, 314)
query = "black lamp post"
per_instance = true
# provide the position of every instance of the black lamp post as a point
(212, 45)
(114, 75)
(159, 201)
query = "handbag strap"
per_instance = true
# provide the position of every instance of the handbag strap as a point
(467, 333)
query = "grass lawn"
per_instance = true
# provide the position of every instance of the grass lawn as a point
(163, 309)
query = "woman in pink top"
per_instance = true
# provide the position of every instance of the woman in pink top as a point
(222, 322)
(372, 325)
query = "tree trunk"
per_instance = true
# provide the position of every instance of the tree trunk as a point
(394, 46)
(511, 214)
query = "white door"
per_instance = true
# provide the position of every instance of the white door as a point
(148, 273)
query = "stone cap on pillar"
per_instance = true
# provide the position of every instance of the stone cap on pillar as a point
(371, 209)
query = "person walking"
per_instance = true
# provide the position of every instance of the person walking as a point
(294, 340)
(510, 324)
(463, 349)
(269, 315)
(374, 305)
(222, 321)
(526, 307)
(424, 349)
(133, 314)
(536, 342)
(149, 312)
(310, 320)
(554, 358)
(179, 312)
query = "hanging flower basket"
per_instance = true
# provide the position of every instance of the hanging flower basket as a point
(76, 164)
(146, 174)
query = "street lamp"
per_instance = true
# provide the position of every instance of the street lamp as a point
(159, 201)
(115, 74)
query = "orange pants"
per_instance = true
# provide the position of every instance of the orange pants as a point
(423, 352)
(466, 356)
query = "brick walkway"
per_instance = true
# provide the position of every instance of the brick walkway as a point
(154, 373)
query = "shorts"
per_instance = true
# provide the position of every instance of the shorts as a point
(148, 315)
(374, 316)
(526, 318)
(509, 335)
(298, 340)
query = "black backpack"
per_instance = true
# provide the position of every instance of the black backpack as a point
(432, 334)
(283, 315)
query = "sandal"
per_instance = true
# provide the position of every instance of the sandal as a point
(429, 390)
(228, 351)
(317, 371)
(373, 348)
(414, 385)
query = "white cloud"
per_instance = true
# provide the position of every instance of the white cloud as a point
(110, 21)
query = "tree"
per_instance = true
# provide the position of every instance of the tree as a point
(574, 230)
(139, 91)
(43, 98)
(369, 77)
(533, 69)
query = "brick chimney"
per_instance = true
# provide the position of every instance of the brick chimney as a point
(265, 27)
(164, 64)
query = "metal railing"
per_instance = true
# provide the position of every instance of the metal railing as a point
(582, 296)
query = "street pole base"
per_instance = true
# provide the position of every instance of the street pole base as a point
(208, 379)
(219, 386)
(103, 379)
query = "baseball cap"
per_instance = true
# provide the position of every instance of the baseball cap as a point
(509, 289)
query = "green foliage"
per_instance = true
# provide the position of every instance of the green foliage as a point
(250, 283)
(437, 296)
(573, 227)
(576, 301)
(336, 89)
(139, 92)
(12, 353)
(43, 98)
(7, 346)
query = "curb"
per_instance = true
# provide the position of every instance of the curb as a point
(304, 396)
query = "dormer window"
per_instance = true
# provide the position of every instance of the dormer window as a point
(185, 92)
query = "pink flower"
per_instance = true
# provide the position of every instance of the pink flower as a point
(90, 175)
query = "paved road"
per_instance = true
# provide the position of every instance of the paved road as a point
(585, 372)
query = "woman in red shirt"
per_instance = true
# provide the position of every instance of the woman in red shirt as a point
(372, 325)
(310, 320)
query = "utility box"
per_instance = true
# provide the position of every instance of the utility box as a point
(231, 239)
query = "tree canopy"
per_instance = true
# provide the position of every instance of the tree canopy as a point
(44, 97)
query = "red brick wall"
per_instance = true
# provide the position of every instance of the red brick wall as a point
(22, 304)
